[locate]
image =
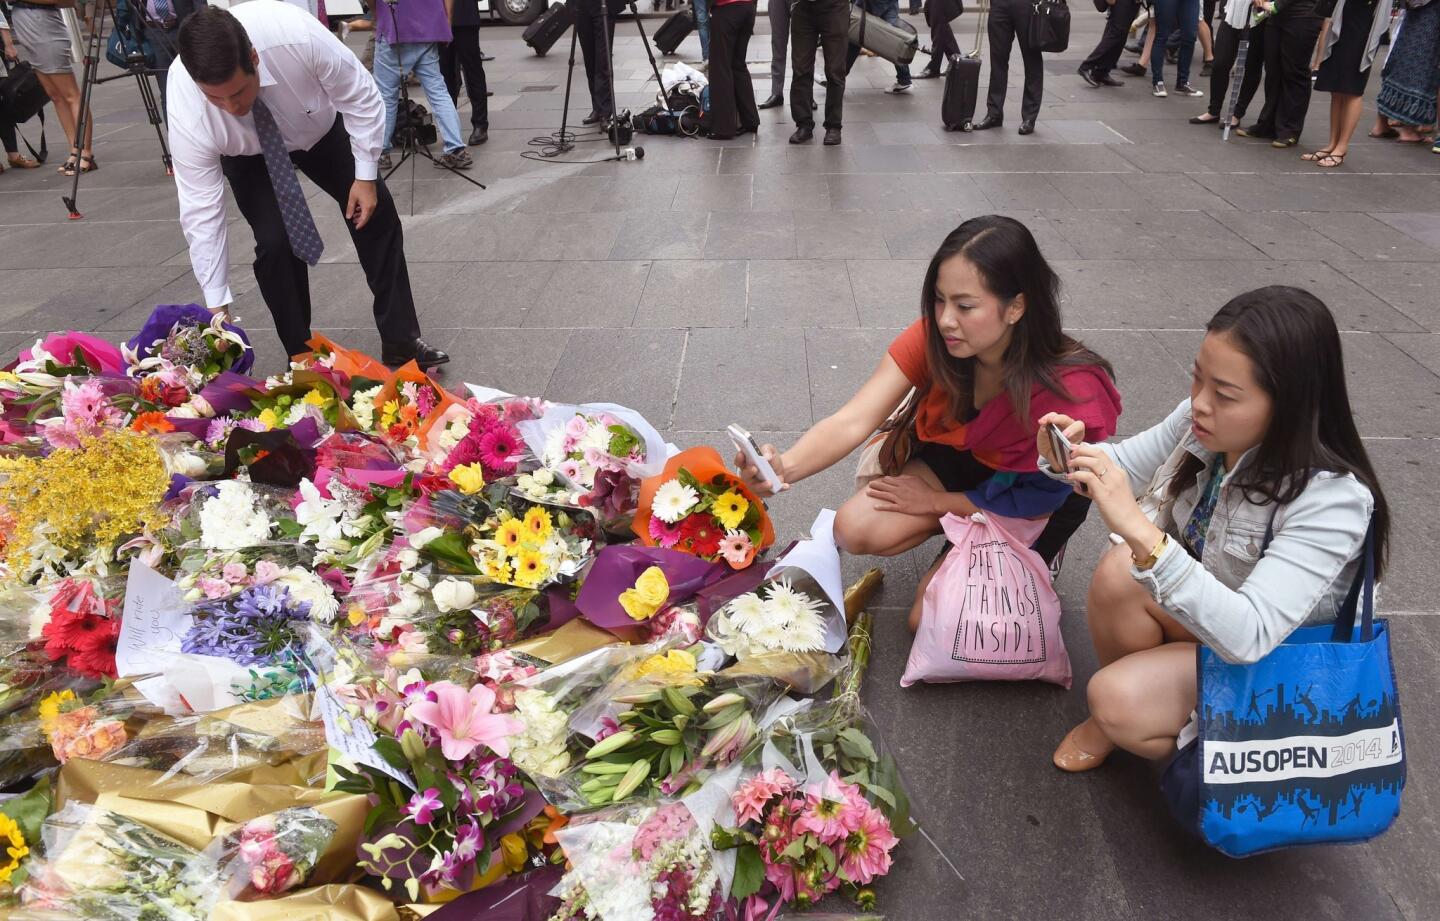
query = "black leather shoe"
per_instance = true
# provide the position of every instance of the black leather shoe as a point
(395, 354)
(989, 121)
(1088, 76)
(487, 58)
(832, 137)
(802, 135)
(771, 103)
(591, 119)
(479, 136)
(1134, 69)
(928, 73)
(1106, 80)
(1027, 126)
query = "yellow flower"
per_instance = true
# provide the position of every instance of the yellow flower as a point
(389, 413)
(730, 508)
(314, 398)
(650, 593)
(538, 523)
(510, 535)
(268, 418)
(12, 841)
(498, 571)
(469, 478)
(530, 569)
(674, 667)
(356, 615)
(52, 705)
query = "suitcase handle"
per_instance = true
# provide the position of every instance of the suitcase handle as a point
(980, 29)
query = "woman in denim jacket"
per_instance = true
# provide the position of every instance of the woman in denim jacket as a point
(1266, 442)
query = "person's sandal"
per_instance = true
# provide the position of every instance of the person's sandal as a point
(1315, 157)
(1330, 161)
(88, 164)
(71, 164)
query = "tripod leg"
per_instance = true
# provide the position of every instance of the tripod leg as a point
(152, 110)
(82, 121)
(563, 142)
(609, 58)
(650, 53)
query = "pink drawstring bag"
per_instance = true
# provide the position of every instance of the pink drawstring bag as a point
(990, 613)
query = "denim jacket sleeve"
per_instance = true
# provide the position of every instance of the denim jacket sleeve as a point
(1315, 537)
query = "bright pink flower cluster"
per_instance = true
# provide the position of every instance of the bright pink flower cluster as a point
(85, 411)
(492, 441)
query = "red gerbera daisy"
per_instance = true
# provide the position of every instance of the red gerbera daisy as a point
(703, 535)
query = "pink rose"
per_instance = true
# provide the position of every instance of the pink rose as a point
(234, 573)
(266, 572)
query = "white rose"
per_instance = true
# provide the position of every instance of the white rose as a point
(544, 477)
(453, 595)
(407, 606)
(187, 463)
(422, 537)
(407, 559)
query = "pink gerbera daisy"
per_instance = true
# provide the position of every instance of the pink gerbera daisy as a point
(735, 547)
(666, 535)
(866, 852)
(498, 448)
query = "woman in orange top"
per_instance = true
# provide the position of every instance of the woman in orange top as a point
(986, 359)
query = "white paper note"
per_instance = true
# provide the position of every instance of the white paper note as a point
(353, 739)
(156, 616)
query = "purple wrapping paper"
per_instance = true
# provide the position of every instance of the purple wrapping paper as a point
(616, 569)
(227, 392)
(165, 316)
(518, 898)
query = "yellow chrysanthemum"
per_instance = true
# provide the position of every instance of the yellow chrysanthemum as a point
(676, 667)
(530, 569)
(730, 508)
(510, 535)
(498, 571)
(52, 705)
(12, 841)
(389, 413)
(538, 523)
(468, 478)
(314, 398)
(268, 418)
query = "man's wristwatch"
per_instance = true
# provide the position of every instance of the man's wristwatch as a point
(1149, 562)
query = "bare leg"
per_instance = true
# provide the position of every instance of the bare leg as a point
(1345, 114)
(1142, 701)
(1207, 43)
(919, 602)
(64, 92)
(862, 528)
(1149, 45)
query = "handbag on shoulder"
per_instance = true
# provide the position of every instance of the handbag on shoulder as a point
(1049, 25)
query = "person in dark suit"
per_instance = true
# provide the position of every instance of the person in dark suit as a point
(1010, 24)
(462, 56)
(943, 46)
(1095, 70)
(595, 29)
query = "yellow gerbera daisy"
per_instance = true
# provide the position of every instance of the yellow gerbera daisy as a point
(13, 848)
(538, 523)
(530, 569)
(52, 704)
(314, 398)
(730, 508)
(510, 535)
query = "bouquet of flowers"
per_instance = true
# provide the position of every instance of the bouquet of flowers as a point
(31, 387)
(483, 435)
(80, 728)
(82, 627)
(653, 864)
(271, 854)
(66, 513)
(776, 617)
(466, 794)
(593, 458)
(698, 506)
(190, 341)
(234, 515)
(21, 820)
(287, 398)
(407, 403)
(511, 540)
(261, 626)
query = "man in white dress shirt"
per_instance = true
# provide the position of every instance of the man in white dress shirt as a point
(258, 92)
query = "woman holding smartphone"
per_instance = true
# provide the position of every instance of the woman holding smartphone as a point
(966, 382)
(1256, 496)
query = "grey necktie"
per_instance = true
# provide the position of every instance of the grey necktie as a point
(299, 223)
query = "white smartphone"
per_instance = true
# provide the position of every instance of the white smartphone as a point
(745, 444)
(1060, 446)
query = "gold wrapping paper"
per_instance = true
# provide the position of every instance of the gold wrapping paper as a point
(322, 903)
(570, 641)
(806, 672)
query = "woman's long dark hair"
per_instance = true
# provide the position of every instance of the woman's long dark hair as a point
(1009, 263)
(1290, 337)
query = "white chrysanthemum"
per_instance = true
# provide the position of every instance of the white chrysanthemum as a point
(362, 406)
(672, 500)
(305, 586)
(230, 519)
(596, 436)
(746, 610)
(787, 603)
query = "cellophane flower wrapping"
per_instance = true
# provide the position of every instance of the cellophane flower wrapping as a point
(271, 854)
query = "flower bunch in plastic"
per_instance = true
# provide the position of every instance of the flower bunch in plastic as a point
(273, 853)
(592, 455)
(260, 625)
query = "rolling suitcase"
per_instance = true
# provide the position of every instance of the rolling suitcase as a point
(962, 85)
(674, 31)
(542, 34)
(896, 44)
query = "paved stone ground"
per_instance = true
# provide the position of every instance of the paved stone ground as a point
(759, 283)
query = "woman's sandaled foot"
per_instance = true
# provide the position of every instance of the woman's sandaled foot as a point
(1330, 160)
(71, 164)
(1313, 157)
(1084, 748)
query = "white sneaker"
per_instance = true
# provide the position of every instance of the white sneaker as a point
(899, 88)
(1158, 90)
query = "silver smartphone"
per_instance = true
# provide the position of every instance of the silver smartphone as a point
(1060, 446)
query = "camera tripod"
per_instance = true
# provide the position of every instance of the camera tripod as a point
(411, 137)
(136, 67)
(564, 140)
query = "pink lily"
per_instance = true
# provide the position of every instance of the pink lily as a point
(463, 719)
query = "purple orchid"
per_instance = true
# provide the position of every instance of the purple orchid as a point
(422, 806)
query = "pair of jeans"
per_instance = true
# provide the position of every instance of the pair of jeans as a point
(888, 10)
(817, 25)
(1170, 15)
(702, 25)
(392, 62)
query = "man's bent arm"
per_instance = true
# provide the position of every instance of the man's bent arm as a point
(201, 186)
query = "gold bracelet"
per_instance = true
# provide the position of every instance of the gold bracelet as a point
(1154, 557)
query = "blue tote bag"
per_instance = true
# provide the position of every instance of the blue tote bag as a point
(1304, 746)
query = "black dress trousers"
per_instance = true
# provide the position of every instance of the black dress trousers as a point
(823, 24)
(596, 34)
(284, 278)
(732, 95)
(461, 57)
(1107, 51)
(1289, 46)
(1010, 23)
